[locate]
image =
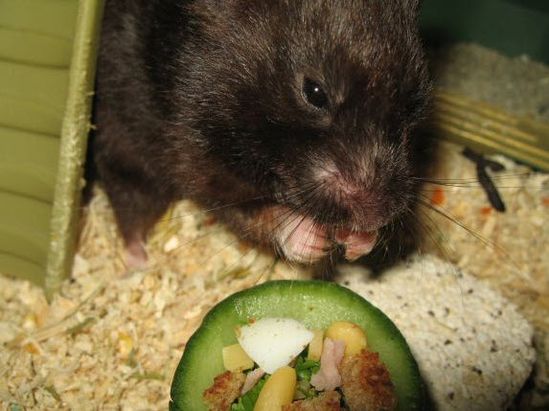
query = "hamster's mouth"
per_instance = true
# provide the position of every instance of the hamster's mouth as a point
(301, 239)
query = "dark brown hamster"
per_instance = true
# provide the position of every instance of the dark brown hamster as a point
(294, 119)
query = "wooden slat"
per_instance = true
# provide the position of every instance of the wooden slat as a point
(489, 129)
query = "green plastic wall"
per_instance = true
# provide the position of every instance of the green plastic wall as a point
(514, 27)
(47, 66)
(36, 39)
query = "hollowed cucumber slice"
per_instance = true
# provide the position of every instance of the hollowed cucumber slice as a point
(316, 304)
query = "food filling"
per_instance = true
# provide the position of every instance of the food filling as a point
(278, 364)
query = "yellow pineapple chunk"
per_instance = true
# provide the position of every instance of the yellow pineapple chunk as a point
(278, 391)
(236, 359)
(315, 346)
(352, 334)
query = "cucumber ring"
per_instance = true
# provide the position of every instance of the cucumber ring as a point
(314, 303)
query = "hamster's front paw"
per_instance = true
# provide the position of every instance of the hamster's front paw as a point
(356, 244)
(136, 256)
(303, 240)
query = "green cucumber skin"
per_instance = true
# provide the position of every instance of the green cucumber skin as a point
(316, 304)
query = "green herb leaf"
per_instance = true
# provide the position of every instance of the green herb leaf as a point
(305, 369)
(247, 401)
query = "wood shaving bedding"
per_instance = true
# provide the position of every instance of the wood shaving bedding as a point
(507, 250)
(112, 340)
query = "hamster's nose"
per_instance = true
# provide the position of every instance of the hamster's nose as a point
(353, 200)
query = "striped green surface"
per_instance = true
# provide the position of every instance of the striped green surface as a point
(46, 78)
(514, 27)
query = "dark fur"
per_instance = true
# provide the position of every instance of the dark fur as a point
(202, 99)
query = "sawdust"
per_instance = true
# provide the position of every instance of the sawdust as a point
(112, 339)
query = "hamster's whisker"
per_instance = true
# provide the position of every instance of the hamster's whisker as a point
(225, 247)
(425, 202)
(308, 211)
(248, 231)
(295, 191)
(245, 235)
(269, 269)
(483, 240)
(429, 227)
(298, 192)
(202, 211)
(238, 264)
(384, 241)
(387, 234)
(307, 198)
(305, 209)
(200, 237)
(471, 181)
(283, 219)
(199, 211)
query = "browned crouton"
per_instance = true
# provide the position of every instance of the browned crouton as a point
(327, 401)
(366, 383)
(224, 391)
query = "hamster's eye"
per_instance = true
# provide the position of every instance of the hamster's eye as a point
(314, 94)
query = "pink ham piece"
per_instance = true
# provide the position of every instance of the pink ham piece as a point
(328, 378)
(251, 380)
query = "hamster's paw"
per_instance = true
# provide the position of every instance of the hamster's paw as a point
(301, 239)
(136, 256)
(356, 244)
